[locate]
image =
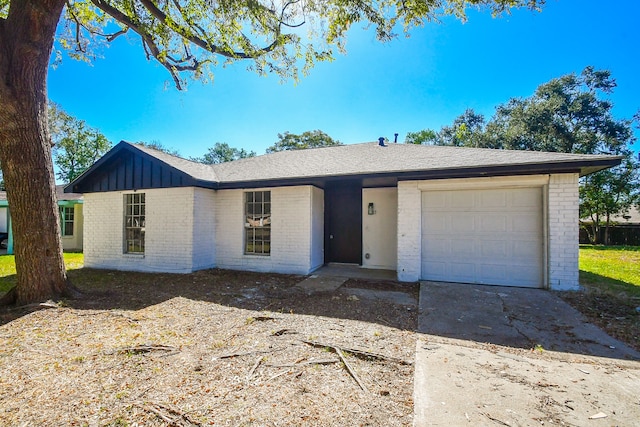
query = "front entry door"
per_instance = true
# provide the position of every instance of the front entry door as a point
(343, 223)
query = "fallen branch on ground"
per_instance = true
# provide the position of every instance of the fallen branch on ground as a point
(143, 349)
(253, 369)
(337, 350)
(351, 371)
(247, 353)
(309, 362)
(180, 419)
(362, 354)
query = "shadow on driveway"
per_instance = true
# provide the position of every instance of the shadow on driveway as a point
(515, 317)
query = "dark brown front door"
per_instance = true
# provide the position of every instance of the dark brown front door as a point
(343, 222)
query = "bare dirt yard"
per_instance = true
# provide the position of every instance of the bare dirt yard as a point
(210, 348)
(227, 348)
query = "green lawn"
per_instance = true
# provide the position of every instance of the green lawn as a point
(611, 269)
(8, 268)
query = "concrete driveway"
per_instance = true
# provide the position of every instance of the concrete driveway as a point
(517, 357)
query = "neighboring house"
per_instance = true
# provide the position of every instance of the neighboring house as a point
(623, 229)
(71, 221)
(432, 213)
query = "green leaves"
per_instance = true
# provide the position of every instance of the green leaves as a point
(221, 152)
(189, 37)
(76, 146)
(308, 139)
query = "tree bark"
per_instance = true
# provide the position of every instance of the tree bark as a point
(26, 41)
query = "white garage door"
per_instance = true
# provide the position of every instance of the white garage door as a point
(483, 236)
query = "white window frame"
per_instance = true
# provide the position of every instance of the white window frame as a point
(257, 223)
(134, 223)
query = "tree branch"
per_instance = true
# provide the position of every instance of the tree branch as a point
(182, 32)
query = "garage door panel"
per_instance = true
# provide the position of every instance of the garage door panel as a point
(526, 198)
(461, 248)
(493, 223)
(483, 236)
(460, 200)
(435, 223)
(438, 270)
(492, 199)
(492, 273)
(465, 270)
(493, 248)
(435, 199)
(461, 224)
(526, 250)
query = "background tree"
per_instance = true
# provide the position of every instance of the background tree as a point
(422, 137)
(466, 130)
(221, 152)
(75, 145)
(308, 139)
(608, 193)
(188, 38)
(569, 114)
(159, 146)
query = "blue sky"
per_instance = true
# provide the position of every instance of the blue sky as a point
(374, 90)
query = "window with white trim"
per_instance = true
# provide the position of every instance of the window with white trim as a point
(257, 212)
(66, 220)
(134, 222)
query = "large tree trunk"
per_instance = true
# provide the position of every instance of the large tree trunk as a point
(26, 41)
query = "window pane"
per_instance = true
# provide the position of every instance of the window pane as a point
(134, 223)
(258, 222)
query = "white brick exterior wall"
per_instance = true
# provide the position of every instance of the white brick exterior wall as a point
(204, 229)
(409, 231)
(563, 231)
(192, 228)
(295, 243)
(169, 231)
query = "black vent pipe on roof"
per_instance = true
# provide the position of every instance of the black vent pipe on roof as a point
(395, 139)
(381, 141)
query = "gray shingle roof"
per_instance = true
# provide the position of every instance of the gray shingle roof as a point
(370, 158)
(368, 161)
(194, 169)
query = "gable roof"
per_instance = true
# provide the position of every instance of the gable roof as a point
(369, 162)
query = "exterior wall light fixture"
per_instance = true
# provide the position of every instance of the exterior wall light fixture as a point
(371, 210)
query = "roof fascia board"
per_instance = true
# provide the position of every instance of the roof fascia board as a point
(527, 169)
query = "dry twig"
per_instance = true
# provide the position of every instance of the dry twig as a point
(351, 371)
(143, 349)
(362, 354)
(255, 366)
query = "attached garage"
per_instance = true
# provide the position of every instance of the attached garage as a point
(485, 236)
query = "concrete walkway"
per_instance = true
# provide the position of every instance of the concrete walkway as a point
(330, 277)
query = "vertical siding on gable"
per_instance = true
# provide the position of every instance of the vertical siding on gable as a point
(291, 240)
(563, 231)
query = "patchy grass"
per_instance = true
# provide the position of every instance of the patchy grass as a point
(611, 269)
(610, 276)
(72, 260)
